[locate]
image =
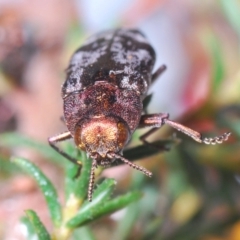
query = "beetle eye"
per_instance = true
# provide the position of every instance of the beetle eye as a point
(123, 135)
(78, 140)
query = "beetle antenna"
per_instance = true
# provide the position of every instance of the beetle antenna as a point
(91, 180)
(139, 168)
(196, 135)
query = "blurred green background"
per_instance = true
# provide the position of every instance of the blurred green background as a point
(195, 189)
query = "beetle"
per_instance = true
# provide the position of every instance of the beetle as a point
(107, 81)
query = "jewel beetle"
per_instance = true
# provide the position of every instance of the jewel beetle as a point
(107, 80)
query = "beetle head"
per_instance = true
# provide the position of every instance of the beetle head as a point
(101, 135)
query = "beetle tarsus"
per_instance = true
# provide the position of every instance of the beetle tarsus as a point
(158, 120)
(218, 139)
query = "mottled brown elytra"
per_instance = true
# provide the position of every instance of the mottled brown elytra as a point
(107, 81)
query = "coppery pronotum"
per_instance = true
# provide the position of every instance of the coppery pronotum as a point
(107, 80)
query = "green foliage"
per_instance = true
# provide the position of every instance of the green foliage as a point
(39, 228)
(85, 212)
(100, 207)
(186, 179)
(14, 139)
(232, 13)
(46, 187)
(76, 211)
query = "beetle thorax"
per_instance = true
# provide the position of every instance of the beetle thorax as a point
(101, 135)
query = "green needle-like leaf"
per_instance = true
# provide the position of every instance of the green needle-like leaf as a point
(78, 185)
(100, 195)
(217, 62)
(232, 12)
(127, 222)
(83, 233)
(17, 140)
(39, 228)
(82, 184)
(7, 167)
(30, 234)
(46, 187)
(87, 215)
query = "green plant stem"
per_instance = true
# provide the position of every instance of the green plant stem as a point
(72, 206)
(74, 202)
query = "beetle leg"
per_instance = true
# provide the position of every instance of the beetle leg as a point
(153, 120)
(150, 121)
(158, 72)
(157, 120)
(147, 134)
(62, 137)
(62, 119)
